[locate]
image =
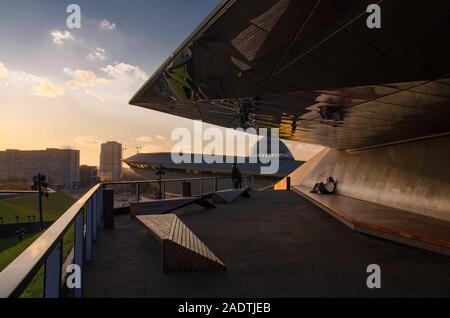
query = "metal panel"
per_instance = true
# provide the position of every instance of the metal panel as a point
(89, 229)
(95, 217)
(52, 280)
(79, 250)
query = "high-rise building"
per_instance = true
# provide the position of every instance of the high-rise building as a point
(61, 166)
(111, 161)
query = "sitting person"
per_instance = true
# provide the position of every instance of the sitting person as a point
(325, 188)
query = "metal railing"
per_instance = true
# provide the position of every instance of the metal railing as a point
(46, 250)
(85, 216)
(161, 185)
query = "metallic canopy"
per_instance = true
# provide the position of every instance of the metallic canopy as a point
(315, 70)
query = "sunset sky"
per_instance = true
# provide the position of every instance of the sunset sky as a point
(63, 87)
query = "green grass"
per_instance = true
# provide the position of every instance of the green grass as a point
(53, 206)
(10, 248)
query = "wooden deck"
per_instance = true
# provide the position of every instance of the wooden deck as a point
(182, 250)
(389, 223)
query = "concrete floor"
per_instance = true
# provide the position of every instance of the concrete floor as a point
(275, 244)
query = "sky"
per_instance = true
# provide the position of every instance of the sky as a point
(69, 88)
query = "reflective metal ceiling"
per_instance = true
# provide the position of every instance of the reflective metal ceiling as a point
(315, 70)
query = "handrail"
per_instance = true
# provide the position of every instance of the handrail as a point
(162, 180)
(17, 275)
(15, 278)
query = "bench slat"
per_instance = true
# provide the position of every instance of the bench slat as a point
(182, 250)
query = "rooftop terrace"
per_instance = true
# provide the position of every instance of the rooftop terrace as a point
(275, 244)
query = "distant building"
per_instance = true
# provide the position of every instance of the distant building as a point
(61, 166)
(111, 161)
(88, 175)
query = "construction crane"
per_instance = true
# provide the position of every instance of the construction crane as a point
(138, 149)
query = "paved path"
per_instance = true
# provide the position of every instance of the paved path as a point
(276, 244)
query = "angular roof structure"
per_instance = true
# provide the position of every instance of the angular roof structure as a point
(314, 70)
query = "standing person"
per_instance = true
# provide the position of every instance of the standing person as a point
(236, 177)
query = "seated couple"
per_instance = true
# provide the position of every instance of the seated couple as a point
(325, 188)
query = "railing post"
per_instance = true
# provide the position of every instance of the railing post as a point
(253, 182)
(137, 193)
(98, 197)
(52, 275)
(89, 223)
(78, 251)
(215, 184)
(94, 216)
(163, 190)
(108, 208)
(201, 187)
(100, 205)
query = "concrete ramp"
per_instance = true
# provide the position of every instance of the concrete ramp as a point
(167, 205)
(228, 196)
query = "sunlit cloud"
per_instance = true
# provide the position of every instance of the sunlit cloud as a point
(144, 139)
(124, 71)
(3, 71)
(151, 148)
(38, 85)
(160, 137)
(88, 141)
(96, 95)
(99, 54)
(106, 25)
(83, 79)
(59, 37)
(45, 89)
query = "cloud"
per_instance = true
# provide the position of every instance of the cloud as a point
(88, 141)
(97, 96)
(45, 89)
(144, 139)
(38, 85)
(151, 148)
(3, 71)
(160, 137)
(59, 37)
(83, 79)
(124, 71)
(99, 54)
(106, 25)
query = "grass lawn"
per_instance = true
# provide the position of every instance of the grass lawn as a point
(10, 248)
(53, 206)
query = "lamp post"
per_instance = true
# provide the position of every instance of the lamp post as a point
(41, 187)
(160, 173)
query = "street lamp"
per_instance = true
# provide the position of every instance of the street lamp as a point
(41, 186)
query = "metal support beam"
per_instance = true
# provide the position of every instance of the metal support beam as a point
(138, 195)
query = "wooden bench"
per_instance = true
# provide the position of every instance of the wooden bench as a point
(167, 205)
(181, 250)
(385, 222)
(228, 196)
